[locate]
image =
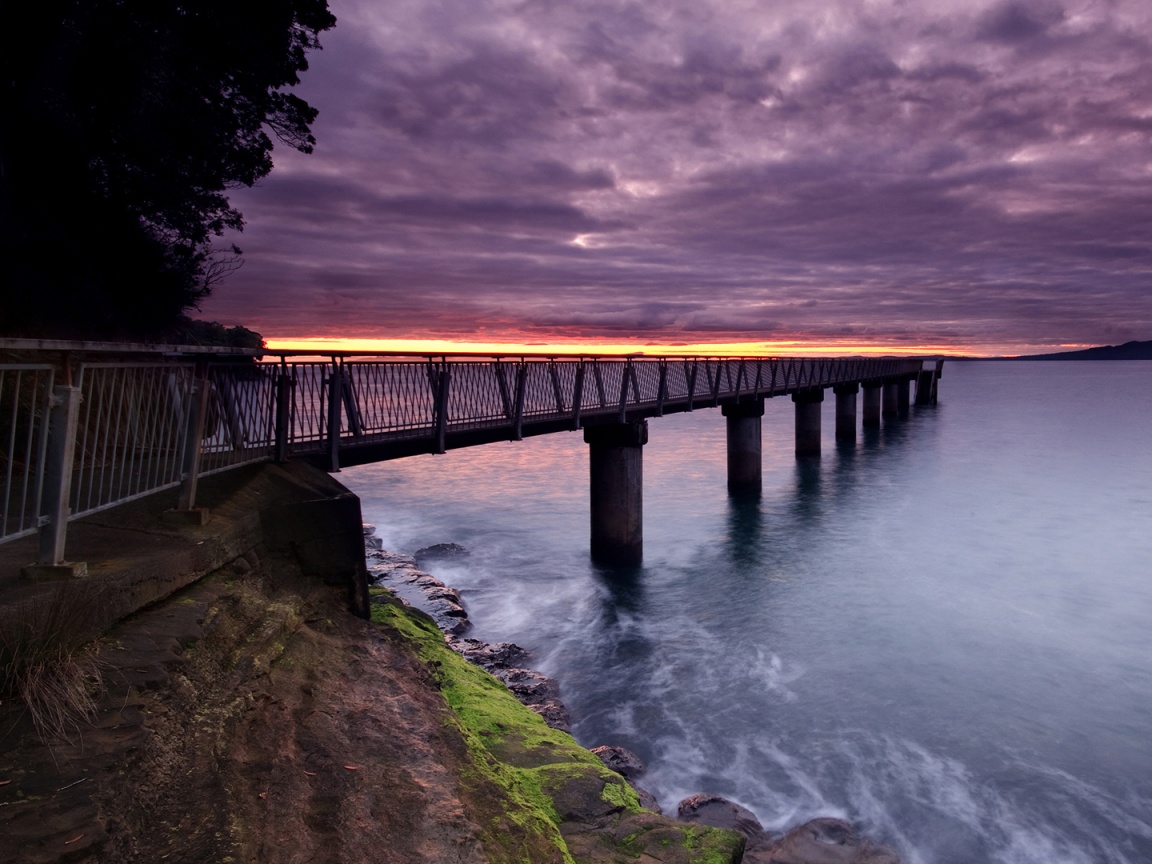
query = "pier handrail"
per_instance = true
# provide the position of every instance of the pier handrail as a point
(87, 426)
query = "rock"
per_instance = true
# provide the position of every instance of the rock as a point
(828, 841)
(489, 655)
(554, 712)
(648, 800)
(455, 626)
(443, 592)
(440, 552)
(399, 574)
(530, 687)
(719, 813)
(624, 762)
(384, 566)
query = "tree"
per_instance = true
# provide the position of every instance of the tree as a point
(126, 122)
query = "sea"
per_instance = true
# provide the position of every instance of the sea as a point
(942, 633)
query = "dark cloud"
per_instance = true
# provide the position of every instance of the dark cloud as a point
(1015, 22)
(976, 173)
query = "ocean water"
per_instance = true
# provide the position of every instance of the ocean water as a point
(943, 634)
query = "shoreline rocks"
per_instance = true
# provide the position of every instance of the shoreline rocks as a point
(818, 841)
(504, 660)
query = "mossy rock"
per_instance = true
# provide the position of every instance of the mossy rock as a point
(544, 797)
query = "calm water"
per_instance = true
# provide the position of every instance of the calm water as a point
(944, 634)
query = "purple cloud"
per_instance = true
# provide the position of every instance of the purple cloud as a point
(974, 174)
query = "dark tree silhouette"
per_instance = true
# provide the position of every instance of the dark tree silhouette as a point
(125, 123)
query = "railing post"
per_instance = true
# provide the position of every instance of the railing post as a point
(335, 386)
(443, 380)
(662, 388)
(624, 375)
(63, 418)
(554, 374)
(521, 394)
(578, 396)
(502, 381)
(193, 435)
(351, 406)
(283, 414)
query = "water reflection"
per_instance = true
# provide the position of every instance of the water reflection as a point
(745, 535)
(807, 506)
(623, 590)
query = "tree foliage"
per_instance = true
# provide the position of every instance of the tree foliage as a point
(126, 123)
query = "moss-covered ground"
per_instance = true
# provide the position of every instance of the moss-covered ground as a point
(540, 796)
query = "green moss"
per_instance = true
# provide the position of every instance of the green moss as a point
(710, 846)
(621, 795)
(536, 779)
(485, 713)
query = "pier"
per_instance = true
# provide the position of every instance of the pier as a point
(87, 427)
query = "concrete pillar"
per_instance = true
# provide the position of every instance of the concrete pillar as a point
(903, 395)
(616, 487)
(924, 382)
(808, 421)
(872, 404)
(890, 398)
(846, 412)
(744, 448)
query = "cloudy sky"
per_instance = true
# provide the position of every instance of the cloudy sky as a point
(896, 173)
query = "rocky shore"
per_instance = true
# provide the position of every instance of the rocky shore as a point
(818, 841)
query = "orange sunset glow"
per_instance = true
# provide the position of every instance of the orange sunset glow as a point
(695, 349)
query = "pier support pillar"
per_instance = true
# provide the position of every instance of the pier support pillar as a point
(903, 395)
(617, 483)
(744, 448)
(872, 404)
(924, 382)
(890, 398)
(846, 412)
(808, 421)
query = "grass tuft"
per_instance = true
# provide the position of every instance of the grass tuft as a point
(49, 660)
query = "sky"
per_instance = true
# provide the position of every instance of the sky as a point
(790, 176)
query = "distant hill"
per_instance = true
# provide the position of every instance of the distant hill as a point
(1127, 351)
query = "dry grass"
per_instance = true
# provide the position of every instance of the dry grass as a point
(49, 660)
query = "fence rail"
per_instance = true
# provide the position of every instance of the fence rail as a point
(116, 431)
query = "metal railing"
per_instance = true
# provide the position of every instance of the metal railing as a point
(117, 431)
(25, 397)
(372, 401)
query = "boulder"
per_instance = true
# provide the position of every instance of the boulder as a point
(828, 841)
(440, 552)
(530, 687)
(720, 813)
(554, 712)
(489, 655)
(624, 762)
(443, 592)
(648, 800)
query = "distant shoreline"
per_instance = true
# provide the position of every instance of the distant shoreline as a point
(1127, 351)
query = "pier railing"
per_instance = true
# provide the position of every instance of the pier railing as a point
(82, 430)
